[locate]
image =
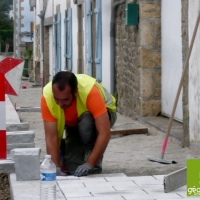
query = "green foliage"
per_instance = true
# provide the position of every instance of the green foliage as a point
(4, 9)
(6, 25)
(28, 53)
(134, 1)
(6, 37)
(4, 34)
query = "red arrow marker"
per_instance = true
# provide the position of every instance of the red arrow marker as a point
(6, 65)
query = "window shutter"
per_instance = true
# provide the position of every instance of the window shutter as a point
(88, 36)
(68, 39)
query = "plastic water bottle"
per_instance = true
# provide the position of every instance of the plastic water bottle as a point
(47, 179)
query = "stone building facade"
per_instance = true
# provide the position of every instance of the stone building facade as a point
(138, 57)
(37, 54)
(23, 38)
(138, 61)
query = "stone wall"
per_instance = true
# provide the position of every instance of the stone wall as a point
(17, 39)
(46, 55)
(138, 61)
(127, 64)
(37, 56)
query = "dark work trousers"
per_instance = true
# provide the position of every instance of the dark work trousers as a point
(79, 142)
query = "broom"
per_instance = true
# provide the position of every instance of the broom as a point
(24, 86)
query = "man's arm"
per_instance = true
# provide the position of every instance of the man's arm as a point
(103, 127)
(51, 137)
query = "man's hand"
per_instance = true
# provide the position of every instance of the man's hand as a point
(83, 170)
(60, 171)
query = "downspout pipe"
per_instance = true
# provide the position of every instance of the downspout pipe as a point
(41, 16)
(19, 29)
(112, 45)
(34, 45)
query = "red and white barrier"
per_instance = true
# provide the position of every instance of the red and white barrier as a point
(10, 79)
(2, 118)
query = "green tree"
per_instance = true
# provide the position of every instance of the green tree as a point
(6, 25)
(5, 22)
(4, 9)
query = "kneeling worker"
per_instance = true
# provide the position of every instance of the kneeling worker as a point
(86, 111)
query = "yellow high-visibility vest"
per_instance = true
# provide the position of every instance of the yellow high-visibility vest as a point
(85, 84)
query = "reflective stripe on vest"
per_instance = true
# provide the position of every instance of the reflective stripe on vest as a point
(107, 97)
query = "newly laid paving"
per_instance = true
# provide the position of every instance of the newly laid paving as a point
(100, 187)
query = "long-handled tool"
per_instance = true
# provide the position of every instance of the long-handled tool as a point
(185, 67)
(25, 85)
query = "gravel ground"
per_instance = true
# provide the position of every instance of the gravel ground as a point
(4, 187)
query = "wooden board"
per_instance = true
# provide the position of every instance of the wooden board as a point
(129, 131)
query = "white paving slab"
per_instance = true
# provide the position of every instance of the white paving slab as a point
(195, 198)
(100, 187)
(114, 197)
(68, 184)
(28, 190)
(125, 187)
(139, 195)
(145, 180)
(91, 180)
(182, 191)
(153, 187)
(117, 179)
(159, 177)
(121, 184)
(76, 194)
(104, 175)
(160, 194)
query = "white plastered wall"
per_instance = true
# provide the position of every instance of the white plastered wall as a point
(194, 75)
(38, 9)
(106, 17)
(171, 56)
